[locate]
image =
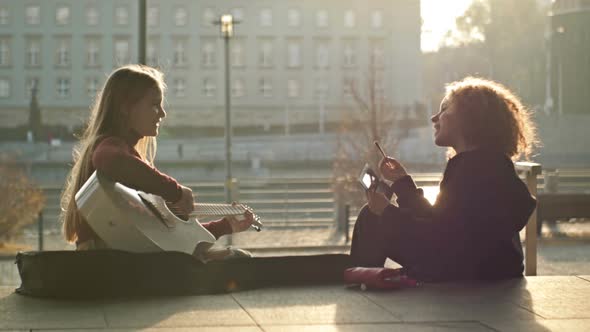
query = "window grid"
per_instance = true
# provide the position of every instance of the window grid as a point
(92, 16)
(208, 87)
(33, 15)
(180, 17)
(238, 88)
(208, 54)
(63, 87)
(266, 17)
(4, 52)
(63, 53)
(265, 87)
(293, 89)
(294, 17)
(32, 83)
(33, 53)
(62, 15)
(179, 57)
(153, 16)
(122, 15)
(4, 88)
(179, 87)
(322, 18)
(122, 51)
(4, 16)
(294, 54)
(349, 19)
(92, 87)
(92, 53)
(266, 54)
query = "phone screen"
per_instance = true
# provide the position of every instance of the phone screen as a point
(367, 180)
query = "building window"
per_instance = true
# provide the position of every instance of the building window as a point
(322, 55)
(208, 87)
(33, 15)
(122, 15)
(4, 16)
(293, 89)
(63, 87)
(4, 88)
(179, 87)
(179, 57)
(321, 18)
(237, 54)
(92, 87)
(294, 17)
(266, 17)
(62, 15)
(321, 89)
(294, 54)
(92, 52)
(121, 51)
(62, 58)
(377, 54)
(208, 54)
(265, 87)
(265, 54)
(349, 19)
(4, 52)
(209, 17)
(238, 14)
(34, 52)
(153, 16)
(349, 54)
(152, 56)
(238, 88)
(92, 16)
(180, 16)
(347, 86)
(376, 19)
(32, 83)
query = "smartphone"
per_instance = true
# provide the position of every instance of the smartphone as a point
(368, 178)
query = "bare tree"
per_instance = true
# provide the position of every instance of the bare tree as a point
(20, 200)
(371, 117)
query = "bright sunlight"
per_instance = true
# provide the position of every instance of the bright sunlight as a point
(438, 17)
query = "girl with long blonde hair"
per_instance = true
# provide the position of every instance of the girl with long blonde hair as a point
(120, 141)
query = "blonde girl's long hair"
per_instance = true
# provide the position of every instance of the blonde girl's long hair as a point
(122, 89)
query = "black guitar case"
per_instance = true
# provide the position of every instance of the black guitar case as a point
(96, 274)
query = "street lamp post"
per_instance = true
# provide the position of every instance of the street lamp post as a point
(226, 23)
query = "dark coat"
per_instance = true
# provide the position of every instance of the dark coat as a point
(471, 232)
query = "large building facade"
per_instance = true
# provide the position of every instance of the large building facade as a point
(292, 61)
(570, 57)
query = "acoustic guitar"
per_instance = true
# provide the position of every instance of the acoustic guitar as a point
(131, 220)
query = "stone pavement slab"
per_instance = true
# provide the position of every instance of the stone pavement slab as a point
(311, 305)
(529, 304)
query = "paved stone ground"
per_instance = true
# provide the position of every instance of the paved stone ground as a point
(529, 304)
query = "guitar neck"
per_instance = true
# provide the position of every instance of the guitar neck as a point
(212, 209)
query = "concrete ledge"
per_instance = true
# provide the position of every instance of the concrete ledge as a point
(528, 304)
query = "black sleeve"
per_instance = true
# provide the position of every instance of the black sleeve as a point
(411, 198)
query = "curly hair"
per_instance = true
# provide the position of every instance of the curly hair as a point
(494, 117)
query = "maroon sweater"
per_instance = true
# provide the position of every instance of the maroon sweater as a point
(117, 158)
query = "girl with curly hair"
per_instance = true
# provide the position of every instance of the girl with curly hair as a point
(472, 230)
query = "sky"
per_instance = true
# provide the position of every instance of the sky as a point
(438, 17)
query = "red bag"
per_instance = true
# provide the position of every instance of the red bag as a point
(378, 278)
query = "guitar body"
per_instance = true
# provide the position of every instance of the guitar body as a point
(130, 220)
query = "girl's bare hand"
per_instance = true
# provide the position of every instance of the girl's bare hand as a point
(391, 169)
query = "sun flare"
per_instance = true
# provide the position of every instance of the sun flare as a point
(438, 17)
